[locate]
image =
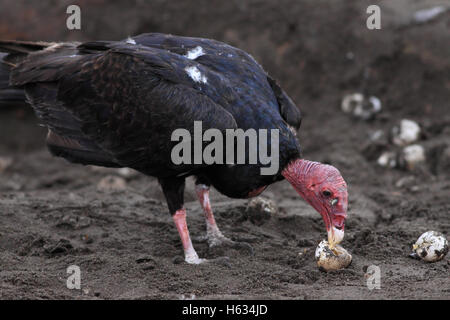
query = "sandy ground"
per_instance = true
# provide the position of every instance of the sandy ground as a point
(52, 214)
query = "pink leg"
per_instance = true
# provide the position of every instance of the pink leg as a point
(189, 252)
(203, 197)
(213, 234)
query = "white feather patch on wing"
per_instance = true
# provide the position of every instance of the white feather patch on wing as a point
(130, 41)
(195, 53)
(195, 74)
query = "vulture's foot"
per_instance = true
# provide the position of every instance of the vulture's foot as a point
(192, 258)
(216, 239)
(196, 260)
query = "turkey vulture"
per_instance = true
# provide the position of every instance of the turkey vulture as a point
(116, 104)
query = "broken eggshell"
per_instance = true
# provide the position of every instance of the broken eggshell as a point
(351, 101)
(431, 246)
(329, 259)
(405, 133)
(412, 156)
(368, 108)
(361, 107)
(387, 159)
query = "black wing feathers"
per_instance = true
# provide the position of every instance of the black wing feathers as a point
(119, 102)
(65, 138)
(9, 96)
(124, 102)
(288, 110)
(24, 47)
(131, 104)
(181, 45)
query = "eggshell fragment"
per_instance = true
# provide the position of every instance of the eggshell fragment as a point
(405, 133)
(360, 106)
(413, 155)
(329, 259)
(387, 159)
(431, 246)
(351, 101)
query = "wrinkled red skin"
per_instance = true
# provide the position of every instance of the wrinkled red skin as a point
(310, 179)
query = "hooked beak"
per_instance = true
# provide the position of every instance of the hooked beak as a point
(335, 236)
(335, 223)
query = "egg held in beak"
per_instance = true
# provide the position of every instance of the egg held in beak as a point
(335, 236)
(335, 224)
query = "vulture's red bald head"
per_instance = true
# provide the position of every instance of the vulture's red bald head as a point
(323, 187)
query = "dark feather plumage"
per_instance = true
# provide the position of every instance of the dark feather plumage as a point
(116, 103)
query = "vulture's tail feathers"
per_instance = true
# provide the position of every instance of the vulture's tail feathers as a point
(65, 136)
(22, 47)
(77, 152)
(13, 52)
(9, 95)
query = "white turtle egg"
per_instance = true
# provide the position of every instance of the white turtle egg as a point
(332, 258)
(431, 246)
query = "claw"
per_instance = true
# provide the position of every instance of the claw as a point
(218, 240)
(214, 237)
(194, 260)
(215, 240)
(200, 239)
(224, 261)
